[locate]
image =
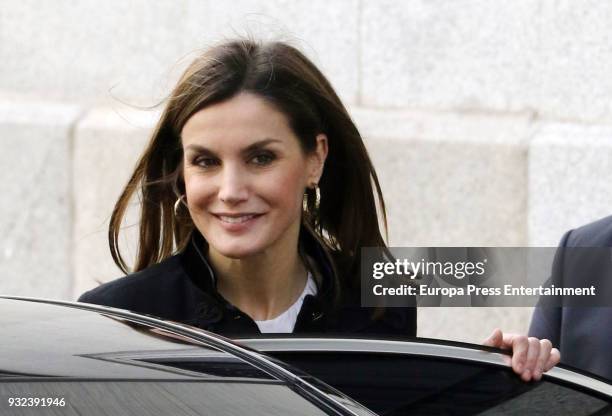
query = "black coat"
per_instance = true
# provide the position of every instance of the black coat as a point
(182, 289)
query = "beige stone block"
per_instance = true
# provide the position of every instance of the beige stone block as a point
(574, 60)
(36, 207)
(450, 179)
(89, 51)
(108, 143)
(463, 55)
(570, 169)
(547, 56)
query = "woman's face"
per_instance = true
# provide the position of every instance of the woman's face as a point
(245, 175)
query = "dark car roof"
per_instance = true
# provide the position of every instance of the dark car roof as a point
(52, 340)
(46, 340)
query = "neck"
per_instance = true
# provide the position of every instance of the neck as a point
(263, 285)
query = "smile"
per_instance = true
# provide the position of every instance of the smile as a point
(236, 219)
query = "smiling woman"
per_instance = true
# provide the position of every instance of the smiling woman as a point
(257, 193)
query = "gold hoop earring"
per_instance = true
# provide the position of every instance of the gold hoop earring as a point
(305, 201)
(317, 203)
(177, 204)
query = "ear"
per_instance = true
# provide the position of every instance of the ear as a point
(316, 159)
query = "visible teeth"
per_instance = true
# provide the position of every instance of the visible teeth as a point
(236, 220)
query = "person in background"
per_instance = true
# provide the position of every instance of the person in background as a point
(584, 334)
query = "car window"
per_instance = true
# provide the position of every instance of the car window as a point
(395, 384)
(135, 398)
(222, 366)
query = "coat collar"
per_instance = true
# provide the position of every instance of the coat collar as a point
(213, 308)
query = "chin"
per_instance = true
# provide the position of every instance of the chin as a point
(237, 251)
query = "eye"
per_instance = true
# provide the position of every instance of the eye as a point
(263, 159)
(205, 162)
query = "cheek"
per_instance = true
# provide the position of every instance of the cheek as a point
(288, 189)
(198, 191)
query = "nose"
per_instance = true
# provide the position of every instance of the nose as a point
(233, 187)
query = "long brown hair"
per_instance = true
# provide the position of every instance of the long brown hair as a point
(346, 218)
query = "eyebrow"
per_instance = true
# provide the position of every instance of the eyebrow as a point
(250, 148)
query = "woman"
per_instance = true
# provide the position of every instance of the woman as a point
(256, 195)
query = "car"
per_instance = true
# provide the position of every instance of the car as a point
(73, 358)
(64, 358)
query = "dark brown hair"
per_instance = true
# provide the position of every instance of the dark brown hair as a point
(346, 219)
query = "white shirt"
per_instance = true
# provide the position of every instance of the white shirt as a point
(285, 322)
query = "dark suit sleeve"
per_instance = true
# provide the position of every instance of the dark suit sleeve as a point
(546, 319)
(546, 324)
